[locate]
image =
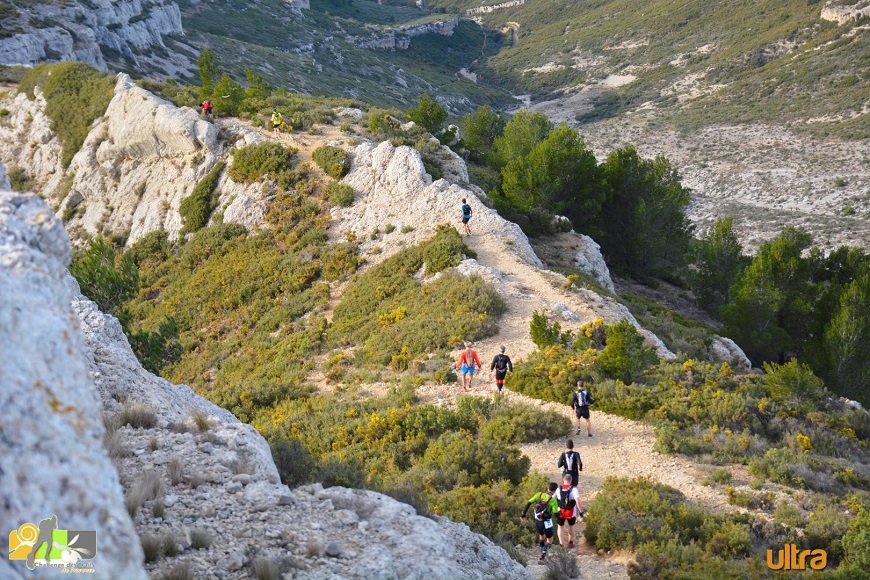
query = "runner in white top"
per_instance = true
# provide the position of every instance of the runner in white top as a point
(569, 510)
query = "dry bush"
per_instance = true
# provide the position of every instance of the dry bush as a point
(200, 540)
(174, 471)
(138, 416)
(151, 546)
(181, 571)
(266, 569)
(200, 419)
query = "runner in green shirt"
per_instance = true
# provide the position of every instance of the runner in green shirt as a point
(546, 508)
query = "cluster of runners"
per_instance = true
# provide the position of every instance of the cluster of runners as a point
(468, 361)
(559, 506)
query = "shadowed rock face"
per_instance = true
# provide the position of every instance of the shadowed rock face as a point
(81, 32)
(53, 460)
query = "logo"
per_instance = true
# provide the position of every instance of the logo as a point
(45, 545)
(790, 558)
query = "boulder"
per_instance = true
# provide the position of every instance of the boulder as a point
(589, 260)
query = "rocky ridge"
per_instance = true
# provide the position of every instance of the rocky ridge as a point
(94, 32)
(128, 177)
(223, 510)
(54, 462)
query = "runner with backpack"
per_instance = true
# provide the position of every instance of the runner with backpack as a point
(277, 121)
(467, 359)
(501, 363)
(570, 462)
(466, 216)
(568, 499)
(580, 402)
(207, 109)
(546, 508)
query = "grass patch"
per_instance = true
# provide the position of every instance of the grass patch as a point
(75, 94)
(19, 180)
(138, 416)
(200, 540)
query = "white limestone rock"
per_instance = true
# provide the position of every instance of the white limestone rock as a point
(54, 462)
(27, 141)
(392, 186)
(4, 179)
(134, 175)
(726, 350)
(590, 260)
(79, 30)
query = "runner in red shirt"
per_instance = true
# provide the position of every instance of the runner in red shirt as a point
(467, 360)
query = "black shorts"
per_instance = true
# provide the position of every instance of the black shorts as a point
(542, 531)
(581, 412)
(465, 219)
(500, 375)
(571, 521)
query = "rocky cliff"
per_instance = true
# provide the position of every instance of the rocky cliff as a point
(223, 510)
(98, 32)
(400, 36)
(128, 176)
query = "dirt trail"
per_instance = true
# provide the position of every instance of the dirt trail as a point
(619, 447)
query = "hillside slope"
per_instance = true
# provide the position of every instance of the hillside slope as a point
(224, 475)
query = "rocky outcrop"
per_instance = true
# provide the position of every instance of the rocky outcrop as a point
(27, 141)
(92, 32)
(54, 462)
(589, 260)
(726, 350)
(494, 7)
(4, 179)
(843, 14)
(133, 176)
(393, 186)
(400, 36)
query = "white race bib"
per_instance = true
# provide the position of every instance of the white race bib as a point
(548, 524)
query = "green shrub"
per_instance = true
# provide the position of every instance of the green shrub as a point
(521, 424)
(856, 542)
(749, 500)
(429, 114)
(75, 95)
(445, 250)
(264, 160)
(4, 112)
(198, 206)
(395, 318)
(542, 333)
(18, 179)
(625, 357)
(458, 459)
(333, 160)
(340, 194)
(720, 475)
(152, 246)
(105, 276)
(788, 515)
(295, 465)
